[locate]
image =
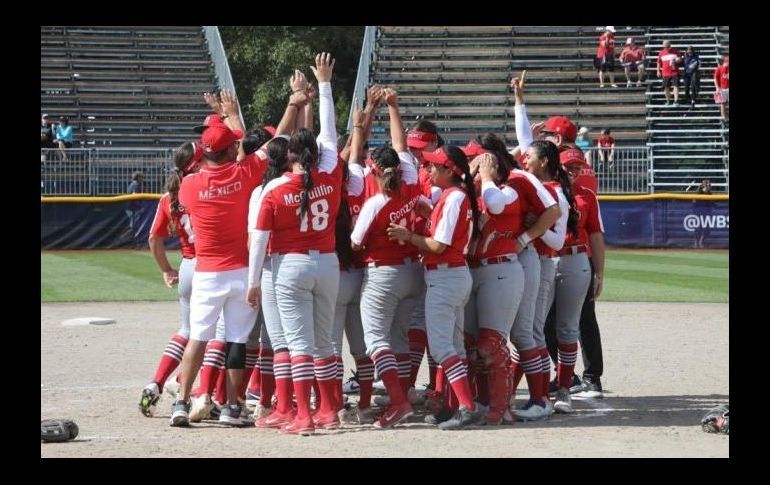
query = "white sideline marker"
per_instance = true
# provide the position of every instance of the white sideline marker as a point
(83, 321)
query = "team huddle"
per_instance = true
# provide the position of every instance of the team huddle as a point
(291, 240)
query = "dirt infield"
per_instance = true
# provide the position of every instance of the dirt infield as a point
(665, 365)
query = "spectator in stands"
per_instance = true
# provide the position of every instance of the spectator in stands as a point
(64, 135)
(722, 85)
(632, 60)
(702, 208)
(691, 75)
(606, 147)
(605, 56)
(133, 207)
(668, 69)
(584, 143)
(47, 133)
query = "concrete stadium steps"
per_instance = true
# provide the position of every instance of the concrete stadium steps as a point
(126, 85)
(686, 143)
(459, 77)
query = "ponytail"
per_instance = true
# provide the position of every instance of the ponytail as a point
(566, 187)
(307, 161)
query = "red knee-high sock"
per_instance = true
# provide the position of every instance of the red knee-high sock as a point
(266, 368)
(530, 363)
(387, 368)
(170, 359)
(338, 383)
(255, 381)
(457, 375)
(317, 392)
(284, 390)
(404, 363)
(418, 340)
(303, 375)
(326, 377)
(567, 358)
(252, 358)
(213, 363)
(545, 370)
(221, 391)
(365, 372)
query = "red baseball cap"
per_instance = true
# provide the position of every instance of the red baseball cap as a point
(440, 157)
(218, 137)
(270, 129)
(211, 120)
(420, 139)
(572, 155)
(561, 125)
(473, 148)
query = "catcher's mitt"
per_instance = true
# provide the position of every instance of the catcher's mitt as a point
(717, 420)
(54, 430)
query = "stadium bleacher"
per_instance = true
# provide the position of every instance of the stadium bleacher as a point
(127, 86)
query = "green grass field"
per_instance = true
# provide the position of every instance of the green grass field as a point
(666, 275)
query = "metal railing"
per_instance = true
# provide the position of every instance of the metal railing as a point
(100, 171)
(364, 61)
(627, 173)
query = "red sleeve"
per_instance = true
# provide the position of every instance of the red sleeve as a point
(716, 73)
(266, 213)
(658, 62)
(593, 224)
(162, 218)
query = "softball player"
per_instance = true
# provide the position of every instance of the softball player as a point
(392, 280)
(217, 200)
(498, 279)
(453, 222)
(171, 216)
(542, 159)
(573, 277)
(297, 212)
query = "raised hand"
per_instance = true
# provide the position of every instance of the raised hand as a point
(391, 96)
(374, 96)
(359, 116)
(298, 81)
(229, 103)
(213, 102)
(311, 91)
(324, 65)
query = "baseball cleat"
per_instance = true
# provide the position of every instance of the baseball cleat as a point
(149, 399)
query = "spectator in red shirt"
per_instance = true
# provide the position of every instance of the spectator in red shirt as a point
(722, 85)
(606, 148)
(605, 56)
(668, 68)
(632, 59)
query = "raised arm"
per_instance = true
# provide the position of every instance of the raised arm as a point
(327, 138)
(524, 133)
(355, 183)
(397, 135)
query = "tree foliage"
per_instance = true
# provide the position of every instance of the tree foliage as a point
(262, 58)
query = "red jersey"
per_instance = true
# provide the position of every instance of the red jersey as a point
(179, 220)
(558, 230)
(605, 141)
(498, 227)
(451, 223)
(377, 214)
(217, 199)
(279, 211)
(667, 62)
(590, 218)
(722, 76)
(632, 54)
(606, 45)
(534, 197)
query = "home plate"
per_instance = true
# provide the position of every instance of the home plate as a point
(79, 322)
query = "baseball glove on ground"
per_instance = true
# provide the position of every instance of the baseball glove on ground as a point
(55, 430)
(717, 420)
